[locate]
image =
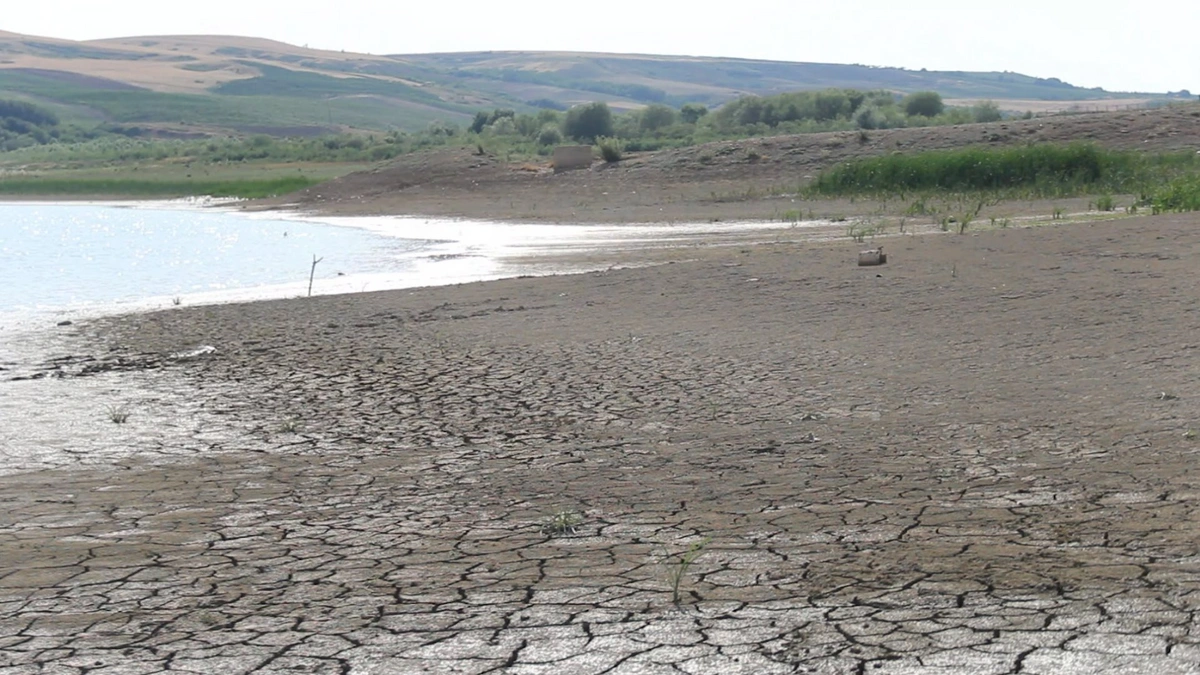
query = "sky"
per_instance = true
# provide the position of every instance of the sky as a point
(1119, 45)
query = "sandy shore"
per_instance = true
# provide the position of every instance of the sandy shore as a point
(980, 458)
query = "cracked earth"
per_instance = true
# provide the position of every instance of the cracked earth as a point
(981, 458)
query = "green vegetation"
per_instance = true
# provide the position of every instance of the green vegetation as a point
(116, 148)
(589, 122)
(239, 85)
(561, 523)
(1043, 170)
(40, 155)
(23, 124)
(674, 81)
(611, 149)
(987, 111)
(657, 126)
(1181, 194)
(83, 101)
(129, 187)
(691, 113)
(679, 564)
(924, 104)
(966, 181)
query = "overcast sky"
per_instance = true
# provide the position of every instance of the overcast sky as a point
(1146, 45)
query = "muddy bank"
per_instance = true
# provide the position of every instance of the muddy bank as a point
(980, 458)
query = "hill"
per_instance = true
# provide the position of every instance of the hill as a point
(744, 179)
(219, 84)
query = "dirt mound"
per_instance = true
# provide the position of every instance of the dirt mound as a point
(693, 183)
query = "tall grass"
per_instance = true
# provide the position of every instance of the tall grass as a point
(1045, 170)
(122, 187)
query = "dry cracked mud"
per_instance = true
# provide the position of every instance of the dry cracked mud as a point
(977, 459)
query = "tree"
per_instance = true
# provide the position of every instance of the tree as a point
(924, 103)
(656, 116)
(480, 121)
(589, 121)
(830, 105)
(691, 113)
(483, 118)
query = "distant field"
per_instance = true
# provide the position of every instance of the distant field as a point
(364, 107)
(1039, 107)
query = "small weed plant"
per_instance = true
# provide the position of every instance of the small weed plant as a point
(117, 414)
(679, 564)
(562, 523)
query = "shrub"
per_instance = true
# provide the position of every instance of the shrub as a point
(869, 118)
(589, 122)
(503, 127)
(924, 104)
(611, 149)
(1181, 194)
(987, 111)
(484, 119)
(549, 135)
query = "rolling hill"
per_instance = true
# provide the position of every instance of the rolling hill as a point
(218, 84)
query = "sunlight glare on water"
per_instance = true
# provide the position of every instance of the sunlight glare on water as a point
(62, 257)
